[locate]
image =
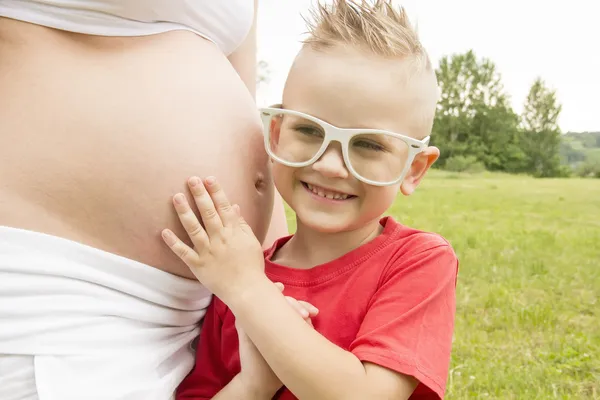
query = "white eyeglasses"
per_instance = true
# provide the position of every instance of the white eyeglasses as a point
(375, 157)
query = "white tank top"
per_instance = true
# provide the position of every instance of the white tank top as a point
(224, 22)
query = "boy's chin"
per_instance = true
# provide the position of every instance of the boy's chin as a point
(327, 223)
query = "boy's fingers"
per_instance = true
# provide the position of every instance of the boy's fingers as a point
(305, 309)
(280, 286)
(181, 250)
(241, 221)
(189, 221)
(312, 310)
(208, 212)
(294, 303)
(221, 202)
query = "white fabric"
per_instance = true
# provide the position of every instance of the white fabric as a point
(224, 22)
(79, 323)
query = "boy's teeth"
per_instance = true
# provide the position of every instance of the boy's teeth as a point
(327, 194)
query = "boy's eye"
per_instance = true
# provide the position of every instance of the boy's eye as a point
(309, 130)
(369, 145)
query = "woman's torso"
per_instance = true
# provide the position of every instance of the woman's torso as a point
(97, 134)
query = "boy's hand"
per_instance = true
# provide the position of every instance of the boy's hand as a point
(256, 374)
(226, 258)
(305, 309)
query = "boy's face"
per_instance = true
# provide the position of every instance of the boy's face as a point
(348, 88)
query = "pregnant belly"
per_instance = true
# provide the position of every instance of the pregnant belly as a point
(97, 138)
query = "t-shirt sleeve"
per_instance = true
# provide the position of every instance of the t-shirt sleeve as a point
(209, 374)
(409, 323)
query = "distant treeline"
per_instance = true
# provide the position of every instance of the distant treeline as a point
(581, 152)
(477, 129)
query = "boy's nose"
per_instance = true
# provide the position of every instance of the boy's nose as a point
(331, 164)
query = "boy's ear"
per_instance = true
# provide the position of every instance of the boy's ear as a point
(421, 164)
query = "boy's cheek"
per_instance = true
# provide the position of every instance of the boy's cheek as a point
(380, 200)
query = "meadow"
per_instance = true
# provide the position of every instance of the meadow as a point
(528, 311)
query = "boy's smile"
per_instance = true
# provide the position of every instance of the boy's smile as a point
(327, 194)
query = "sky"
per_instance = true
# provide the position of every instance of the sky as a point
(524, 38)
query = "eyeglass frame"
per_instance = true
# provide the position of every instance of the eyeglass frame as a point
(343, 136)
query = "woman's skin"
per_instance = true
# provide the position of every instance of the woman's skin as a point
(87, 123)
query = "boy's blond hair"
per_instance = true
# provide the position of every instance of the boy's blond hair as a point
(382, 29)
(376, 25)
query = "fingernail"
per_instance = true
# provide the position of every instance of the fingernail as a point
(211, 180)
(304, 313)
(179, 198)
(194, 181)
(168, 236)
(279, 286)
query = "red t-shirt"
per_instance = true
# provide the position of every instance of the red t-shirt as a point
(390, 302)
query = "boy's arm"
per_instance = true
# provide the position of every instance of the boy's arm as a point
(382, 363)
(237, 389)
(306, 362)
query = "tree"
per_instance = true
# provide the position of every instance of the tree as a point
(541, 136)
(474, 118)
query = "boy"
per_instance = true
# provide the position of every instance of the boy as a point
(358, 106)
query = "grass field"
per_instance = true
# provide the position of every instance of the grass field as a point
(528, 311)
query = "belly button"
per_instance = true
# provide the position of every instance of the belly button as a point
(260, 183)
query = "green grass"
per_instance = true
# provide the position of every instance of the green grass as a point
(528, 316)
